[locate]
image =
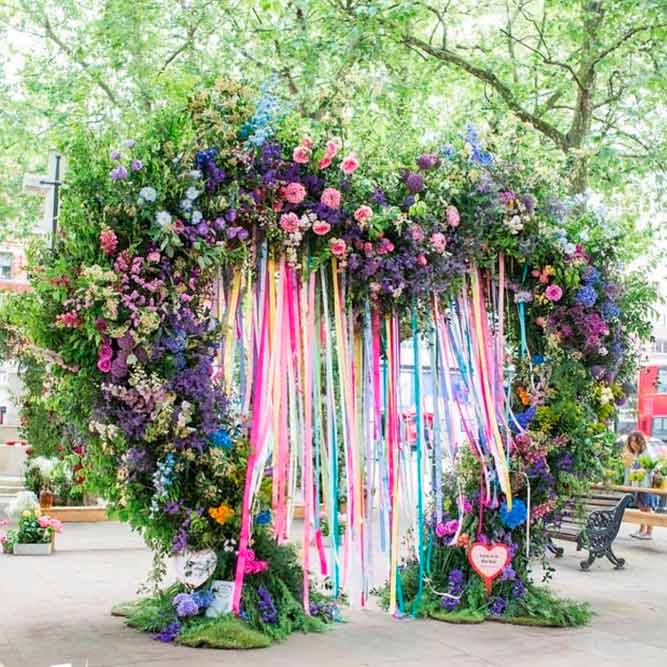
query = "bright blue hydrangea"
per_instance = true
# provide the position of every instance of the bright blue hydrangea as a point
(203, 598)
(263, 518)
(221, 439)
(516, 516)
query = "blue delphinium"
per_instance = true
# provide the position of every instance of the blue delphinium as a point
(610, 310)
(479, 155)
(523, 419)
(455, 583)
(203, 598)
(514, 517)
(518, 589)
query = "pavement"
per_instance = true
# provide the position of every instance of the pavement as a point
(55, 611)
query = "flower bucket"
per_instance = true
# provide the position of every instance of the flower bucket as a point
(33, 549)
(223, 595)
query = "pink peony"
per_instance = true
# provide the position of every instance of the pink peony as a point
(553, 292)
(421, 260)
(337, 247)
(294, 193)
(289, 222)
(439, 242)
(363, 214)
(56, 524)
(453, 216)
(320, 227)
(325, 162)
(108, 241)
(331, 198)
(301, 155)
(416, 233)
(307, 142)
(349, 164)
(44, 522)
(104, 365)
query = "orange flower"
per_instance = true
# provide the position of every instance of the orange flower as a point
(221, 514)
(523, 395)
(462, 540)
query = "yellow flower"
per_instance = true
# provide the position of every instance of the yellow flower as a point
(38, 511)
(27, 514)
(221, 514)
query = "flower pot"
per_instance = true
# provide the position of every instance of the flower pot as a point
(33, 549)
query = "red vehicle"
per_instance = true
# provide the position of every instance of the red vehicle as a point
(652, 402)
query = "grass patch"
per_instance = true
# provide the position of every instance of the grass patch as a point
(225, 632)
(461, 616)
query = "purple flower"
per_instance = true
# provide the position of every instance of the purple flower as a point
(518, 589)
(169, 632)
(498, 607)
(508, 574)
(119, 173)
(136, 165)
(428, 161)
(586, 296)
(414, 182)
(266, 606)
(185, 605)
(115, 155)
(450, 603)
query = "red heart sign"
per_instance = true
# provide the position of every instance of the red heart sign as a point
(489, 560)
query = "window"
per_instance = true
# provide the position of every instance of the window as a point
(6, 259)
(659, 428)
(661, 381)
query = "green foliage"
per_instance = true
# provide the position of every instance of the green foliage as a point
(225, 632)
(540, 606)
(463, 616)
(151, 614)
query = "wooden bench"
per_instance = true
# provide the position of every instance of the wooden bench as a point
(595, 529)
(654, 518)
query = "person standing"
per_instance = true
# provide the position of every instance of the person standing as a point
(635, 446)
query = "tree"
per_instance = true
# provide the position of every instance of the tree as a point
(588, 75)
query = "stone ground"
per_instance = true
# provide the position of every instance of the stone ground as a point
(55, 611)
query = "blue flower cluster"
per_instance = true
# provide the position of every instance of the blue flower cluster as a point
(259, 129)
(479, 154)
(455, 584)
(185, 605)
(586, 296)
(516, 516)
(221, 439)
(498, 607)
(169, 632)
(263, 518)
(610, 310)
(162, 480)
(266, 606)
(523, 419)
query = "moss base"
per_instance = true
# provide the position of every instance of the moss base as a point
(226, 632)
(459, 617)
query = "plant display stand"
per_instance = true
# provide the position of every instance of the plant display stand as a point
(84, 514)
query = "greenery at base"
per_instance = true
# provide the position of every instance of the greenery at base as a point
(461, 616)
(151, 614)
(227, 632)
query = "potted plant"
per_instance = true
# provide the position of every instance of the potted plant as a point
(660, 474)
(637, 477)
(34, 535)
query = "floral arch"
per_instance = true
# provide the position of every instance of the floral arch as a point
(234, 296)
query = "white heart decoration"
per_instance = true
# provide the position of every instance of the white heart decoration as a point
(489, 560)
(193, 568)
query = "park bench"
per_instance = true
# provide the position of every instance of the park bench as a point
(595, 529)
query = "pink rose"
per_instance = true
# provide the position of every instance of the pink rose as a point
(453, 216)
(553, 292)
(385, 247)
(439, 242)
(301, 155)
(289, 222)
(4, 523)
(325, 162)
(104, 365)
(440, 530)
(422, 261)
(294, 193)
(363, 214)
(337, 247)
(541, 322)
(56, 524)
(44, 522)
(331, 198)
(349, 164)
(307, 142)
(3, 538)
(320, 227)
(105, 351)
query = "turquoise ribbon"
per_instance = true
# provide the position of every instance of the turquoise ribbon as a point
(420, 489)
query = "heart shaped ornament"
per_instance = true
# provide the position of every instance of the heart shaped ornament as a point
(193, 568)
(489, 560)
